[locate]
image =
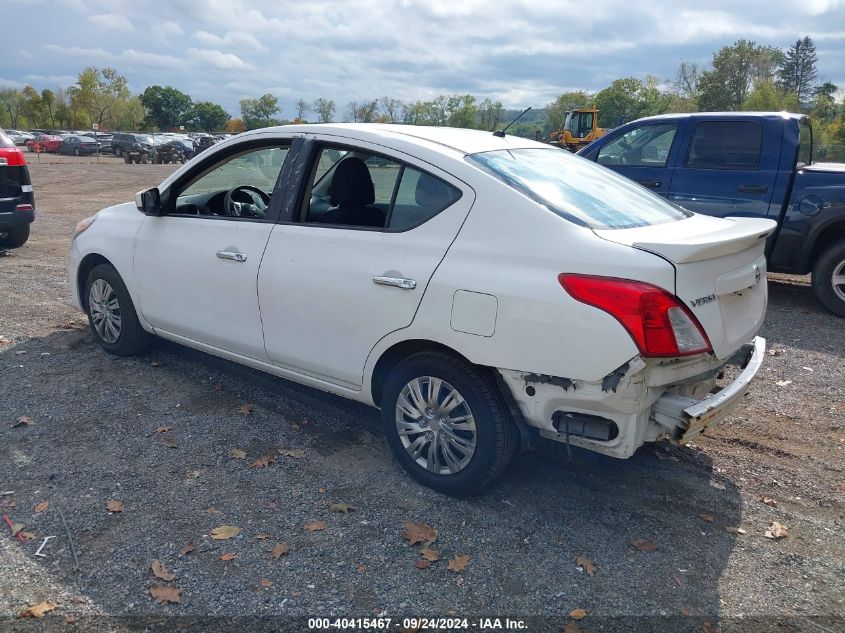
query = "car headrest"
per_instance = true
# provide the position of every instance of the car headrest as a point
(352, 184)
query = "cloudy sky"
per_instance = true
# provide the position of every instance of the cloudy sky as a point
(520, 52)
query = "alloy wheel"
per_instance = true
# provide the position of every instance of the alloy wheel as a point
(837, 280)
(105, 311)
(435, 425)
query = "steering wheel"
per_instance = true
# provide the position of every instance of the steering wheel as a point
(245, 201)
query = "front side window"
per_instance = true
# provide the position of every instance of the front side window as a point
(357, 189)
(239, 186)
(643, 146)
(731, 145)
(577, 189)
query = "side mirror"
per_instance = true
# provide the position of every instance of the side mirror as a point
(149, 201)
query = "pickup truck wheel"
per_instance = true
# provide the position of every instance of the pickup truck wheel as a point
(14, 236)
(111, 313)
(447, 423)
(829, 278)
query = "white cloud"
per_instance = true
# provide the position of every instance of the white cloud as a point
(152, 60)
(111, 21)
(237, 40)
(218, 59)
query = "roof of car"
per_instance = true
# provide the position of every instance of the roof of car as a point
(722, 115)
(459, 139)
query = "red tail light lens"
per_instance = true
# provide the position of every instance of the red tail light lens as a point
(12, 157)
(658, 322)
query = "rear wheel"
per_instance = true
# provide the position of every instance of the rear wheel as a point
(14, 236)
(111, 313)
(446, 423)
(829, 278)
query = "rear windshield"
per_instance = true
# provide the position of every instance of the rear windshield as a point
(578, 189)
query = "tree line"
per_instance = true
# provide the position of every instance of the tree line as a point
(743, 76)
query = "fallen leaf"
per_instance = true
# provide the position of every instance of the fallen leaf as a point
(341, 507)
(225, 532)
(272, 504)
(155, 363)
(69, 619)
(708, 518)
(314, 526)
(169, 441)
(160, 571)
(419, 533)
(643, 545)
(430, 554)
(571, 627)
(279, 550)
(228, 556)
(27, 536)
(734, 530)
(37, 611)
(139, 392)
(458, 563)
(42, 506)
(245, 409)
(578, 614)
(265, 582)
(114, 506)
(775, 352)
(586, 564)
(685, 611)
(264, 462)
(362, 568)
(769, 501)
(187, 549)
(294, 453)
(24, 420)
(162, 429)
(262, 536)
(323, 491)
(15, 527)
(783, 383)
(776, 531)
(237, 453)
(218, 387)
(679, 580)
(163, 595)
(707, 627)
(5, 341)
(422, 564)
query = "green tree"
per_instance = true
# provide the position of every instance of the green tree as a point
(166, 106)
(489, 114)
(735, 71)
(462, 111)
(12, 102)
(302, 109)
(767, 97)
(96, 92)
(259, 112)
(566, 102)
(363, 112)
(206, 116)
(630, 98)
(391, 108)
(32, 107)
(325, 109)
(48, 98)
(799, 68)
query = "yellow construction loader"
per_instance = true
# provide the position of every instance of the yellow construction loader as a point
(580, 128)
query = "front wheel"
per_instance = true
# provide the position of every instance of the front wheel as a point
(829, 278)
(111, 313)
(446, 423)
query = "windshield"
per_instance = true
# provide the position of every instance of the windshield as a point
(578, 189)
(142, 138)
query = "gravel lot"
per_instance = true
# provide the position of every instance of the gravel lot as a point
(156, 434)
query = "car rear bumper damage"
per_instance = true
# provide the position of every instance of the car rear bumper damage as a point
(644, 400)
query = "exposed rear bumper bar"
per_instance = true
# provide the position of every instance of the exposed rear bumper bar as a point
(687, 418)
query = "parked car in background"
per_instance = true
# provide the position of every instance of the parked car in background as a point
(748, 165)
(480, 289)
(105, 141)
(45, 143)
(136, 143)
(17, 201)
(18, 137)
(79, 146)
(181, 145)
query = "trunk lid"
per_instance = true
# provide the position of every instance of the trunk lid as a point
(720, 271)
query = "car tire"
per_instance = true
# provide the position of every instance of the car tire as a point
(76, 152)
(117, 152)
(107, 287)
(15, 236)
(493, 438)
(829, 278)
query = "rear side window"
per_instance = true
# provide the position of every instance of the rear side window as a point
(419, 198)
(725, 145)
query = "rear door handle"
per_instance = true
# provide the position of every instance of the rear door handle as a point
(651, 184)
(397, 282)
(752, 188)
(235, 256)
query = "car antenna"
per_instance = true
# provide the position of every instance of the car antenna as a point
(501, 133)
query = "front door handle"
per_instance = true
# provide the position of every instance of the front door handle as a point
(235, 256)
(398, 282)
(651, 184)
(752, 188)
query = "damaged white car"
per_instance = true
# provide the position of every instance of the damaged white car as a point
(480, 289)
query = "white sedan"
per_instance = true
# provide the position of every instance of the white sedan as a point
(481, 290)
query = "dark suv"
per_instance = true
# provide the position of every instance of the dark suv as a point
(131, 143)
(17, 202)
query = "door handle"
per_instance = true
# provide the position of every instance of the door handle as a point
(651, 184)
(752, 188)
(398, 282)
(233, 255)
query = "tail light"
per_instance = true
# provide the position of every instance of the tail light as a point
(11, 157)
(658, 322)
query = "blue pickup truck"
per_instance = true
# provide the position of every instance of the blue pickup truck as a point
(746, 164)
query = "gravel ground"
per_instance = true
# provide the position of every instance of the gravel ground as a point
(156, 433)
